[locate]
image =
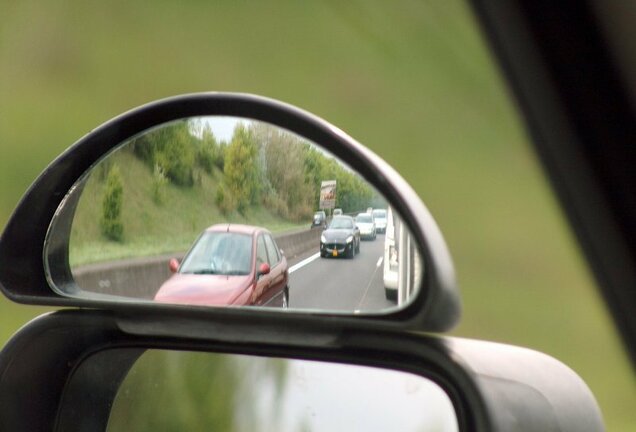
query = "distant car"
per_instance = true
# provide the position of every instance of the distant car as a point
(379, 216)
(341, 238)
(229, 265)
(390, 270)
(319, 220)
(366, 225)
(337, 212)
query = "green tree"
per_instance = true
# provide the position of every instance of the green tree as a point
(111, 222)
(353, 193)
(241, 184)
(209, 153)
(171, 147)
(284, 162)
(316, 171)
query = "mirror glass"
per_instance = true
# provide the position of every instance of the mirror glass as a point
(226, 211)
(170, 391)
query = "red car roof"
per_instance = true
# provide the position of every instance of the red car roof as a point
(236, 228)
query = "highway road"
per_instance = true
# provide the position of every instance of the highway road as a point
(327, 284)
(340, 284)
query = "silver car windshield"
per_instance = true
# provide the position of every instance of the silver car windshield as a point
(379, 214)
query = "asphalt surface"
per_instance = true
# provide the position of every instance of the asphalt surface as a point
(340, 284)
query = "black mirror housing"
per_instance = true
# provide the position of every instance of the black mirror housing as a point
(26, 276)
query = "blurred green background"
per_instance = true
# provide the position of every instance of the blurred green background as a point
(412, 80)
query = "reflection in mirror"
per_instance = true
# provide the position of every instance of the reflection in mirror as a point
(169, 391)
(219, 211)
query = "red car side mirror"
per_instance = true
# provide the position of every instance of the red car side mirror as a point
(173, 265)
(263, 269)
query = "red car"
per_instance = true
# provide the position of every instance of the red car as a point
(229, 265)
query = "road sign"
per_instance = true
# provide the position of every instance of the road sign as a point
(328, 194)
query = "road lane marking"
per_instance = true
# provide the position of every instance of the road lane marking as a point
(379, 262)
(303, 262)
(366, 291)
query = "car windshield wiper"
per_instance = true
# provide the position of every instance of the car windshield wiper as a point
(202, 272)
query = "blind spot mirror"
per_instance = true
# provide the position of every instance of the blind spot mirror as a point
(246, 393)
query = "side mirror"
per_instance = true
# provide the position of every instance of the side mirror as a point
(173, 265)
(228, 151)
(488, 387)
(263, 269)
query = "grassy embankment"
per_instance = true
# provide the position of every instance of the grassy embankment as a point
(152, 228)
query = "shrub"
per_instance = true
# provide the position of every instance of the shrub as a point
(205, 159)
(110, 222)
(176, 160)
(159, 182)
(209, 153)
(224, 200)
(172, 148)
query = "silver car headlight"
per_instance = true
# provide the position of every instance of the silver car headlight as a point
(323, 239)
(349, 239)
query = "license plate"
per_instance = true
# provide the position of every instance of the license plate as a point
(335, 253)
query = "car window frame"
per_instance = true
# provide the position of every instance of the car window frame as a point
(276, 252)
(260, 238)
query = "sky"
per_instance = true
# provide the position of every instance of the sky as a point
(223, 127)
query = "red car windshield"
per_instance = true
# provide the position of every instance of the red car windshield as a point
(222, 253)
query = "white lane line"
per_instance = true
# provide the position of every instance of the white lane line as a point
(303, 262)
(366, 291)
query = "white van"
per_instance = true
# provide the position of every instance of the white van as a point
(390, 258)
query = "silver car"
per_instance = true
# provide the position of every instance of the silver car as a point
(366, 225)
(379, 216)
